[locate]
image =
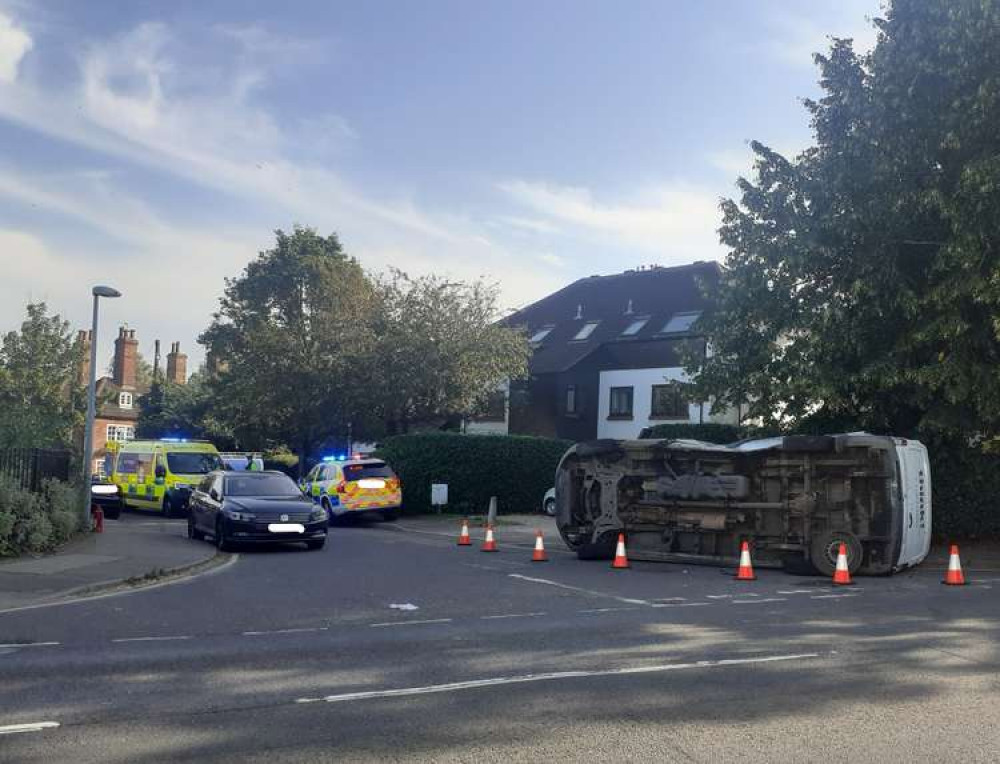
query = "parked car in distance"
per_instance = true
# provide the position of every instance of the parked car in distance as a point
(244, 507)
(107, 496)
(549, 502)
(355, 486)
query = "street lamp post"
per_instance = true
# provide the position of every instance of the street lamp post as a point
(88, 431)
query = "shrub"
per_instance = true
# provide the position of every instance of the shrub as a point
(710, 433)
(283, 461)
(37, 522)
(518, 470)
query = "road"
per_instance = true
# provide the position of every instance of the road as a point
(393, 645)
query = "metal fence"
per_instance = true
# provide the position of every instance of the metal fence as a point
(28, 467)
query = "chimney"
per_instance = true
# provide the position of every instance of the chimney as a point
(126, 358)
(83, 341)
(176, 365)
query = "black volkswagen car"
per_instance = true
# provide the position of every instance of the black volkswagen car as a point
(238, 507)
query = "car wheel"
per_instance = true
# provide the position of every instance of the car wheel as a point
(222, 543)
(193, 532)
(113, 513)
(825, 547)
(550, 507)
(315, 545)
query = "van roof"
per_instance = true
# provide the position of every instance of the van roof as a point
(174, 445)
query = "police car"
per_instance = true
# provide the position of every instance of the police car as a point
(354, 486)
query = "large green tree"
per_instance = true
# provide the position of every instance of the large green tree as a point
(863, 282)
(187, 410)
(41, 399)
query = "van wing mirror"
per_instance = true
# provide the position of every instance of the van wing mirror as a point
(214, 494)
(161, 471)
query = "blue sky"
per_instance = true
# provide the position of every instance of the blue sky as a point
(156, 146)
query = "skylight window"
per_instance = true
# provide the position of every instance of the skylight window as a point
(681, 322)
(635, 327)
(541, 334)
(586, 330)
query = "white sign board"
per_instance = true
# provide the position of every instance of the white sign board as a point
(439, 494)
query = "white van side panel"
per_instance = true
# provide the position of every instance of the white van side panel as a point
(915, 479)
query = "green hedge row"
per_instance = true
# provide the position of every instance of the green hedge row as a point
(964, 477)
(517, 470)
(37, 522)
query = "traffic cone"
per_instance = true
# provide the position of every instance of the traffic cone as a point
(490, 543)
(745, 573)
(954, 576)
(842, 576)
(621, 560)
(463, 537)
(539, 554)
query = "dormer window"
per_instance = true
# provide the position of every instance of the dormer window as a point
(541, 334)
(124, 400)
(586, 330)
(635, 327)
(681, 322)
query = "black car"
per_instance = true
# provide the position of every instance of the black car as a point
(105, 494)
(238, 507)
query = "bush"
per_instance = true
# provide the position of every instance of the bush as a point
(283, 461)
(710, 433)
(37, 522)
(518, 470)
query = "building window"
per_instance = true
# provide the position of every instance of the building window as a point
(635, 327)
(668, 403)
(621, 403)
(586, 330)
(120, 433)
(541, 334)
(125, 400)
(681, 322)
(571, 402)
(494, 408)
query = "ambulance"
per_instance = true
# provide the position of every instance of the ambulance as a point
(160, 475)
(354, 486)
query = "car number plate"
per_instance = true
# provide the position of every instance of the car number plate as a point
(370, 483)
(286, 528)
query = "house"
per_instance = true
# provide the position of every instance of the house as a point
(607, 359)
(118, 395)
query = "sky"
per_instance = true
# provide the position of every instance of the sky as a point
(157, 146)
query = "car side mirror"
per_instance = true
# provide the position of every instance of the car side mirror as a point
(161, 471)
(214, 494)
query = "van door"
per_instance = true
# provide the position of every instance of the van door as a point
(915, 486)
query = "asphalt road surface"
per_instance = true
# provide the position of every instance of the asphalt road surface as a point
(391, 645)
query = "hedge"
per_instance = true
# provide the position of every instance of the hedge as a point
(518, 470)
(964, 494)
(37, 522)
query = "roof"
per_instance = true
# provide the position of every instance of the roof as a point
(615, 302)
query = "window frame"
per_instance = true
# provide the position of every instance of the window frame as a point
(621, 415)
(540, 334)
(639, 322)
(679, 398)
(686, 330)
(591, 325)
(125, 400)
(574, 410)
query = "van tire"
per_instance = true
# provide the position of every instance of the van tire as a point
(824, 548)
(602, 549)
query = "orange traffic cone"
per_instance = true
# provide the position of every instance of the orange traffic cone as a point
(463, 537)
(539, 554)
(621, 560)
(490, 543)
(954, 576)
(842, 576)
(745, 573)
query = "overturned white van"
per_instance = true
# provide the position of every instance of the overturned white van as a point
(795, 499)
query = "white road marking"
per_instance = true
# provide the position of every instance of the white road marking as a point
(671, 599)
(606, 609)
(759, 602)
(547, 582)
(683, 604)
(409, 623)
(720, 596)
(831, 596)
(12, 729)
(30, 644)
(285, 631)
(556, 675)
(510, 615)
(798, 591)
(149, 639)
(403, 606)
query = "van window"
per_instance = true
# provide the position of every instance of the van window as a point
(371, 470)
(144, 466)
(128, 464)
(193, 462)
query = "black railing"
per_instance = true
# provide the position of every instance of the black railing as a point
(28, 467)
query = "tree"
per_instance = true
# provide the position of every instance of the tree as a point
(188, 410)
(41, 400)
(863, 281)
(440, 350)
(292, 329)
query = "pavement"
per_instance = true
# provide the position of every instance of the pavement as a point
(394, 644)
(135, 546)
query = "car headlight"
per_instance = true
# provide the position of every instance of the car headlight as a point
(318, 514)
(245, 517)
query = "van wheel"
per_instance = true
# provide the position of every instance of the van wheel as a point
(825, 547)
(602, 549)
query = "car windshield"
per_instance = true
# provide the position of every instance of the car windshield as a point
(193, 462)
(261, 485)
(371, 470)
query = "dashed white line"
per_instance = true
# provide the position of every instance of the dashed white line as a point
(12, 729)
(285, 631)
(510, 615)
(831, 596)
(557, 584)
(30, 644)
(149, 639)
(721, 596)
(683, 604)
(552, 676)
(760, 601)
(671, 599)
(798, 591)
(409, 623)
(606, 609)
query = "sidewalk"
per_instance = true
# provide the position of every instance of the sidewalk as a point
(132, 547)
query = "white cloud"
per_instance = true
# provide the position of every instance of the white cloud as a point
(553, 259)
(675, 220)
(796, 37)
(14, 45)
